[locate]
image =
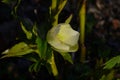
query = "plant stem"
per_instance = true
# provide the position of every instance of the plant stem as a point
(55, 22)
(82, 15)
(54, 12)
(53, 66)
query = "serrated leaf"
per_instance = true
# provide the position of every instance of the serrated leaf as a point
(18, 50)
(112, 62)
(67, 57)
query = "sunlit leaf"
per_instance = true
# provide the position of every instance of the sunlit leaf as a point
(18, 50)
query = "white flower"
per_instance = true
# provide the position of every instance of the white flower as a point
(63, 38)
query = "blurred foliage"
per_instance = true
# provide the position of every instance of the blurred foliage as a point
(23, 28)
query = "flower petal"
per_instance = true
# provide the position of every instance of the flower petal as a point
(67, 35)
(63, 38)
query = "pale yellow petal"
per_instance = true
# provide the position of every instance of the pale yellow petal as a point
(67, 35)
(63, 38)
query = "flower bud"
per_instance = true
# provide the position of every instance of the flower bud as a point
(63, 38)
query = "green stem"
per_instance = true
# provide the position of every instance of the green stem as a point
(53, 67)
(82, 15)
(55, 20)
(54, 5)
(54, 12)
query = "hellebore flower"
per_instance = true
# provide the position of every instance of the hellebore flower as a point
(63, 38)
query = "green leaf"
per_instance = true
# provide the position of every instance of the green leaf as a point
(31, 67)
(48, 66)
(67, 57)
(109, 76)
(37, 66)
(112, 62)
(103, 77)
(28, 33)
(18, 50)
(8, 1)
(14, 11)
(42, 47)
(69, 19)
(34, 29)
(32, 57)
(48, 53)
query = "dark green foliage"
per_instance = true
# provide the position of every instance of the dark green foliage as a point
(31, 54)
